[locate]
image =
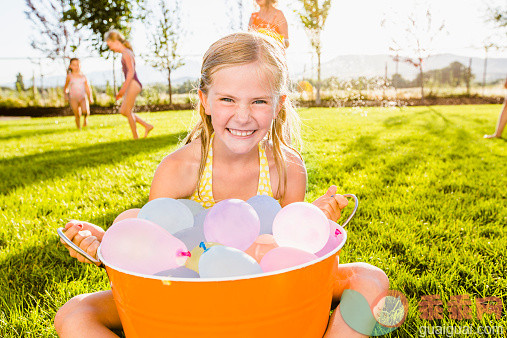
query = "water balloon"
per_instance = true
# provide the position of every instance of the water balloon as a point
(223, 261)
(301, 225)
(169, 213)
(232, 222)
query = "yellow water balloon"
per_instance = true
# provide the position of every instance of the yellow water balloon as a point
(192, 262)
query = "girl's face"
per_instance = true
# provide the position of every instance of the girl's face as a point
(241, 105)
(262, 2)
(114, 45)
(75, 66)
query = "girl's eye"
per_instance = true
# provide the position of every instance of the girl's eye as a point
(260, 102)
(226, 99)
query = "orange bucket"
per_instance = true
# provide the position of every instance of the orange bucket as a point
(293, 302)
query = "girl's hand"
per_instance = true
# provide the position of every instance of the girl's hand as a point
(85, 235)
(331, 203)
(120, 94)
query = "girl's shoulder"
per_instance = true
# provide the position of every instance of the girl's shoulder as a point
(294, 162)
(184, 157)
(279, 15)
(176, 175)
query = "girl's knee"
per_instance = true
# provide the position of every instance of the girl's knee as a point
(64, 316)
(370, 275)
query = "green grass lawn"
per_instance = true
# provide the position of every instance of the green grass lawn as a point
(433, 207)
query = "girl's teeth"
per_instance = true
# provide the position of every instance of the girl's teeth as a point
(241, 132)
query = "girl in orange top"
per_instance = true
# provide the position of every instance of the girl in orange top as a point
(271, 21)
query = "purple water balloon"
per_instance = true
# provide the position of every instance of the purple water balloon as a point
(232, 222)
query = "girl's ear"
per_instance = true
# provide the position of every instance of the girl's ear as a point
(281, 101)
(204, 101)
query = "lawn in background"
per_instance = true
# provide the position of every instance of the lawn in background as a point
(432, 197)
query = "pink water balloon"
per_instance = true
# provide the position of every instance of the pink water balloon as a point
(285, 257)
(261, 246)
(301, 225)
(130, 213)
(336, 237)
(233, 223)
(141, 246)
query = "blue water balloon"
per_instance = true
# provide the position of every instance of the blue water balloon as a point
(191, 236)
(169, 213)
(194, 206)
(267, 208)
(222, 261)
(199, 218)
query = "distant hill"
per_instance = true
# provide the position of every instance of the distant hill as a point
(350, 66)
(343, 66)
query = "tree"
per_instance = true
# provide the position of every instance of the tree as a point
(498, 16)
(487, 45)
(164, 34)
(417, 38)
(99, 16)
(20, 86)
(313, 16)
(56, 38)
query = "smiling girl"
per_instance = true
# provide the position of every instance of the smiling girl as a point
(243, 145)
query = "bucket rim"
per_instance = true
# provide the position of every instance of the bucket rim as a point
(232, 278)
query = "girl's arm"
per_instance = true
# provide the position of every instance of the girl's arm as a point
(284, 29)
(129, 61)
(88, 90)
(66, 87)
(296, 180)
(250, 22)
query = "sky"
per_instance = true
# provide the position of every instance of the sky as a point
(352, 27)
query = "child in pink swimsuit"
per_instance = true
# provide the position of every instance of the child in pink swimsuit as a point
(78, 93)
(132, 86)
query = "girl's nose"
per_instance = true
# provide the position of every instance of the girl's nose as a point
(243, 113)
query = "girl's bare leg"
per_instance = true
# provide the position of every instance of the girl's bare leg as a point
(88, 315)
(147, 127)
(126, 109)
(364, 278)
(502, 121)
(74, 104)
(85, 110)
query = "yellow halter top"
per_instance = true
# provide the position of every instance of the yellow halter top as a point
(205, 185)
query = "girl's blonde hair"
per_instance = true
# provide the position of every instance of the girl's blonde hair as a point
(116, 35)
(240, 49)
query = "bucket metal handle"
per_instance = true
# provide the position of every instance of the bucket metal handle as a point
(356, 204)
(75, 247)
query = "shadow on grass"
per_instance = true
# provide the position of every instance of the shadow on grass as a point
(25, 170)
(36, 131)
